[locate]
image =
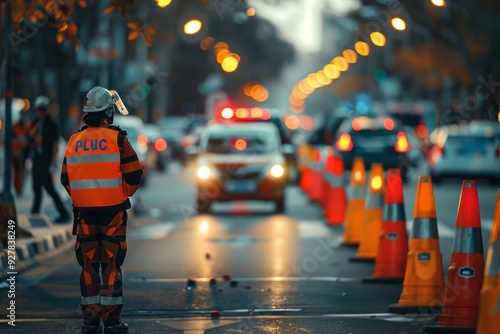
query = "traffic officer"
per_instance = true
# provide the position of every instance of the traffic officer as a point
(100, 171)
(19, 149)
(43, 140)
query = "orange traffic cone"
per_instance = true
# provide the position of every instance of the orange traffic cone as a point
(372, 224)
(355, 214)
(465, 274)
(424, 282)
(336, 202)
(489, 310)
(317, 176)
(390, 263)
(306, 164)
(325, 185)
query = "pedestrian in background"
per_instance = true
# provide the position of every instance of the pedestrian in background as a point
(43, 139)
(100, 171)
(19, 147)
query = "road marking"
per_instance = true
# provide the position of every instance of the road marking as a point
(196, 326)
(155, 231)
(248, 279)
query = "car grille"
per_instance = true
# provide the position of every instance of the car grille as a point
(241, 173)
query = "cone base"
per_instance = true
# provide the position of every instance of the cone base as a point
(387, 280)
(362, 259)
(404, 309)
(350, 244)
(447, 330)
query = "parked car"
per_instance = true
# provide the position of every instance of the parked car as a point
(159, 152)
(173, 129)
(375, 139)
(134, 127)
(466, 151)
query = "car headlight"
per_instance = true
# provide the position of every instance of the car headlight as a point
(203, 172)
(277, 171)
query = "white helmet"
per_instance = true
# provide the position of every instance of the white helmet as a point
(42, 102)
(100, 99)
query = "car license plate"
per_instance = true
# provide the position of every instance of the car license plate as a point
(241, 187)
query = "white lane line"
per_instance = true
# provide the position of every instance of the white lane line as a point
(155, 231)
(247, 279)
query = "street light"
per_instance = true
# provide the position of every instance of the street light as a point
(362, 48)
(192, 27)
(398, 24)
(377, 38)
(438, 3)
(163, 3)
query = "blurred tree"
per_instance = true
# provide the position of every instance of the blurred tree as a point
(452, 48)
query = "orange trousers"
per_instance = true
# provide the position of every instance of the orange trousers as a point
(100, 249)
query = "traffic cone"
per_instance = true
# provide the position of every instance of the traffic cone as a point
(355, 212)
(327, 167)
(372, 224)
(423, 282)
(336, 201)
(306, 163)
(489, 310)
(317, 176)
(465, 274)
(390, 263)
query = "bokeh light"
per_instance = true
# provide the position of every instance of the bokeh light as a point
(362, 48)
(377, 38)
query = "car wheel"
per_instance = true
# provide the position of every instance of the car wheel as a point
(280, 205)
(203, 205)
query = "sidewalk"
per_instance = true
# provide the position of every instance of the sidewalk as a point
(48, 238)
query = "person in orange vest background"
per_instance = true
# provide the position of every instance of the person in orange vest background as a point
(43, 141)
(100, 171)
(19, 150)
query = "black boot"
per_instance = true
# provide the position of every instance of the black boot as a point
(119, 327)
(89, 329)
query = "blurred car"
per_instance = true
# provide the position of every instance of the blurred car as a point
(465, 151)
(191, 142)
(240, 162)
(134, 127)
(158, 153)
(264, 115)
(173, 129)
(375, 139)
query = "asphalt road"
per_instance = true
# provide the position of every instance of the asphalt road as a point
(288, 273)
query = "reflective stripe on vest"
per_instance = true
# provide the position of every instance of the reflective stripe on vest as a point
(468, 240)
(93, 161)
(394, 212)
(493, 259)
(95, 184)
(424, 228)
(80, 159)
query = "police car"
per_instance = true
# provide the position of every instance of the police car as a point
(240, 161)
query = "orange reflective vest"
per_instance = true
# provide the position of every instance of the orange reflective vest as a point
(93, 162)
(20, 138)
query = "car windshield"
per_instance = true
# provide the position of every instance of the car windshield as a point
(241, 142)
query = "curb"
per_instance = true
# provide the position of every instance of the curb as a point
(48, 239)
